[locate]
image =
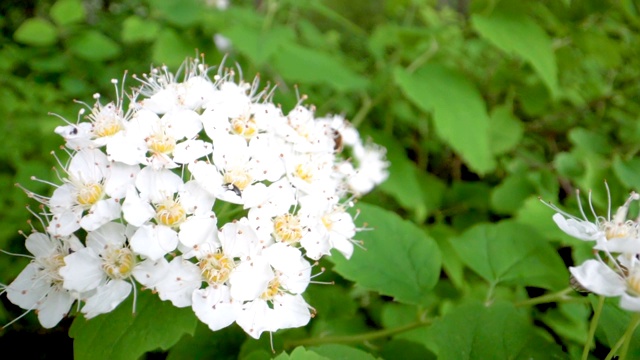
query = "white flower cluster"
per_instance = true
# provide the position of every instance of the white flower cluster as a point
(615, 271)
(204, 192)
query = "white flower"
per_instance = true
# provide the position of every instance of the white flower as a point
(329, 225)
(312, 173)
(186, 217)
(169, 140)
(180, 278)
(154, 241)
(579, 229)
(371, 169)
(39, 286)
(239, 240)
(106, 124)
(624, 281)
(105, 265)
(76, 136)
(615, 234)
(305, 133)
(213, 305)
(238, 167)
(279, 305)
(141, 184)
(238, 109)
(165, 93)
(89, 198)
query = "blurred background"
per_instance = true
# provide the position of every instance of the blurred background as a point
(484, 106)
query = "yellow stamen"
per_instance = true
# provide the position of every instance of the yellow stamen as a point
(287, 228)
(161, 143)
(216, 268)
(170, 213)
(89, 194)
(118, 263)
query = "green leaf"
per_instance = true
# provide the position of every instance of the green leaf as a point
(136, 29)
(459, 112)
(395, 315)
(402, 183)
(74, 85)
(36, 32)
(207, 344)
(628, 172)
(406, 350)
(257, 44)
(470, 201)
(509, 252)
(183, 13)
(569, 320)
(545, 182)
(599, 47)
(123, 335)
(499, 331)
(332, 302)
(569, 165)
(507, 197)
(537, 215)
(66, 12)
(341, 326)
(451, 263)
(54, 63)
(614, 320)
(93, 45)
(300, 353)
(590, 141)
(309, 66)
(534, 99)
(506, 130)
(338, 351)
(171, 49)
(433, 189)
(399, 259)
(514, 32)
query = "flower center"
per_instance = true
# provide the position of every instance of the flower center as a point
(273, 289)
(216, 268)
(118, 263)
(89, 194)
(287, 228)
(612, 230)
(170, 213)
(304, 172)
(633, 282)
(327, 222)
(245, 127)
(161, 143)
(238, 177)
(107, 126)
(50, 268)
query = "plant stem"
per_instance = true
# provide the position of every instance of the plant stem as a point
(356, 338)
(592, 328)
(614, 349)
(367, 104)
(424, 57)
(272, 7)
(547, 298)
(626, 338)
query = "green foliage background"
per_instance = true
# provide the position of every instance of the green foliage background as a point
(484, 107)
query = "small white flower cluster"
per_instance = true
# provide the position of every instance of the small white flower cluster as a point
(140, 187)
(615, 271)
